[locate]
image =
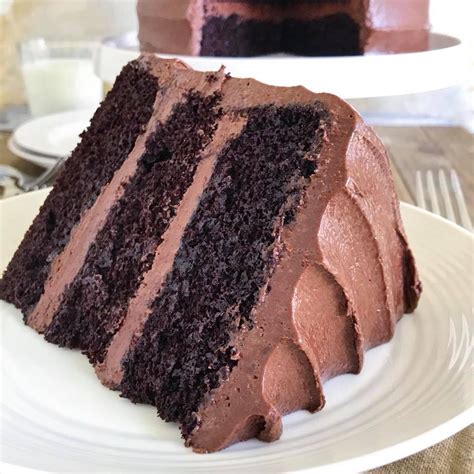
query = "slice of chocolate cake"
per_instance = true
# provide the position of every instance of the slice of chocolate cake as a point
(303, 27)
(218, 248)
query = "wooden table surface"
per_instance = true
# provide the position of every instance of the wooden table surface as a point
(429, 148)
(410, 149)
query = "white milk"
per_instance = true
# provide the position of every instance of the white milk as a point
(55, 85)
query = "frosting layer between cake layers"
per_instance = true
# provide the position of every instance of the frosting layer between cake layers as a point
(249, 27)
(333, 271)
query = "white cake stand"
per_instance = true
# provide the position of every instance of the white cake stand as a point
(443, 65)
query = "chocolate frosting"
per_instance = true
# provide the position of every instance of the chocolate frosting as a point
(344, 279)
(174, 26)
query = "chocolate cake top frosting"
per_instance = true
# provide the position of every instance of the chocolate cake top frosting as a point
(334, 275)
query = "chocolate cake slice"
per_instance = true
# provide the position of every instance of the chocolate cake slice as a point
(303, 27)
(218, 248)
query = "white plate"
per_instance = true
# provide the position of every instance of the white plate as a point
(445, 64)
(53, 135)
(40, 160)
(412, 393)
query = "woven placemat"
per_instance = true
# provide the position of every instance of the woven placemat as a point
(455, 455)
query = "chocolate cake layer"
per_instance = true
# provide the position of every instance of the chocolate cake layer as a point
(93, 306)
(67, 263)
(246, 28)
(85, 300)
(323, 289)
(110, 371)
(228, 250)
(332, 35)
(103, 148)
(247, 248)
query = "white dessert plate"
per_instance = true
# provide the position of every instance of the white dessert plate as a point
(412, 393)
(44, 161)
(444, 64)
(53, 135)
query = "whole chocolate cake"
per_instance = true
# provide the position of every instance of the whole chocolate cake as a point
(303, 27)
(218, 248)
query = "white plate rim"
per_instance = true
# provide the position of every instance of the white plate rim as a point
(38, 159)
(31, 136)
(404, 449)
(397, 451)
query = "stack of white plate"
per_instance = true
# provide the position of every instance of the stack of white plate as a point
(43, 140)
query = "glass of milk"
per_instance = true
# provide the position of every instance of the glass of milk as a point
(59, 75)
